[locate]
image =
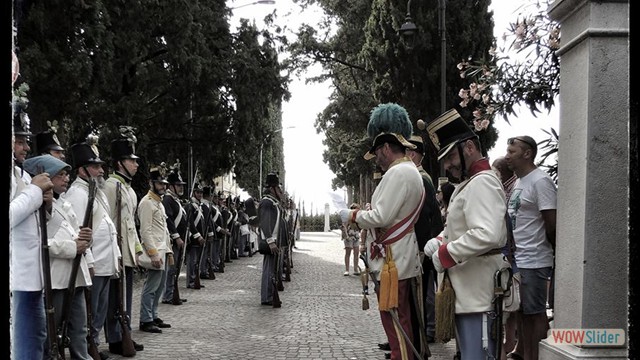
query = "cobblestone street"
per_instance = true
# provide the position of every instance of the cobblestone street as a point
(321, 315)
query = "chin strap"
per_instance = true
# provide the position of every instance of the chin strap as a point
(463, 167)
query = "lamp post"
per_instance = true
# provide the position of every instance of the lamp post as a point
(409, 29)
(261, 149)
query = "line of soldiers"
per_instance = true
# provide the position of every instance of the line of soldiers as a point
(99, 229)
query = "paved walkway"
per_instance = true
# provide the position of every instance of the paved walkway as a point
(321, 315)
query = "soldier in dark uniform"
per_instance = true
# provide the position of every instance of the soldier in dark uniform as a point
(226, 221)
(243, 229)
(196, 240)
(234, 227)
(177, 225)
(209, 226)
(272, 228)
(428, 226)
(219, 234)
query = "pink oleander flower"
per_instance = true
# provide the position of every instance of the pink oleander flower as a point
(477, 114)
(486, 98)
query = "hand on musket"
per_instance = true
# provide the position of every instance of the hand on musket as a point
(274, 248)
(83, 240)
(179, 242)
(156, 261)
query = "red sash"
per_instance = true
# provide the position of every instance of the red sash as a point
(396, 232)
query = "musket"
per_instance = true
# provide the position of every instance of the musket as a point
(128, 348)
(204, 246)
(196, 282)
(176, 292)
(275, 302)
(55, 351)
(287, 256)
(71, 286)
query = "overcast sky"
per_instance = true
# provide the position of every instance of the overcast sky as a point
(308, 178)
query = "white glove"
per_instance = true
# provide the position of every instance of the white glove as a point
(436, 263)
(345, 215)
(431, 247)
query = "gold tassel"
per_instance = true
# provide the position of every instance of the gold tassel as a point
(393, 280)
(383, 301)
(445, 311)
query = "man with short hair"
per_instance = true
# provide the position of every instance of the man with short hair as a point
(125, 167)
(532, 209)
(470, 250)
(507, 176)
(395, 207)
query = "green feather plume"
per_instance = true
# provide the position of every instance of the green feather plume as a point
(389, 118)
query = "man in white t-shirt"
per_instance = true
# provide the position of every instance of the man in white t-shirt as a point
(532, 209)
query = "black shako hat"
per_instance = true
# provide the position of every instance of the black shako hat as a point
(206, 191)
(47, 141)
(272, 180)
(21, 123)
(123, 149)
(174, 178)
(448, 130)
(83, 154)
(156, 174)
(417, 141)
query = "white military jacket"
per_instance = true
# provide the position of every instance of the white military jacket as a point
(62, 230)
(397, 196)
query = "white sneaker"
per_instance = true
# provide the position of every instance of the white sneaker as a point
(346, 273)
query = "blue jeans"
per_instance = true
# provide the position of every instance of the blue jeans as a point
(29, 325)
(151, 293)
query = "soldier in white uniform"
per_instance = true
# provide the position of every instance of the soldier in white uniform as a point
(476, 232)
(395, 207)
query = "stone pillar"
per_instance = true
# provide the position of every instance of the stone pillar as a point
(327, 226)
(591, 290)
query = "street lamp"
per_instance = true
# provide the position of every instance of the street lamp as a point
(261, 148)
(261, 2)
(409, 29)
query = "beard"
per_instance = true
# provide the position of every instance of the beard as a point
(100, 182)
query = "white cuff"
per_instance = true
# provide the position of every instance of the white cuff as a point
(271, 241)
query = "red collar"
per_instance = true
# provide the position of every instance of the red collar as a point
(479, 165)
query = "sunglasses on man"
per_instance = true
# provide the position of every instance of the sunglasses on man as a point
(531, 144)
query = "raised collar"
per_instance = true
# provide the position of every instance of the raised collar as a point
(479, 165)
(398, 161)
(154, 196)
